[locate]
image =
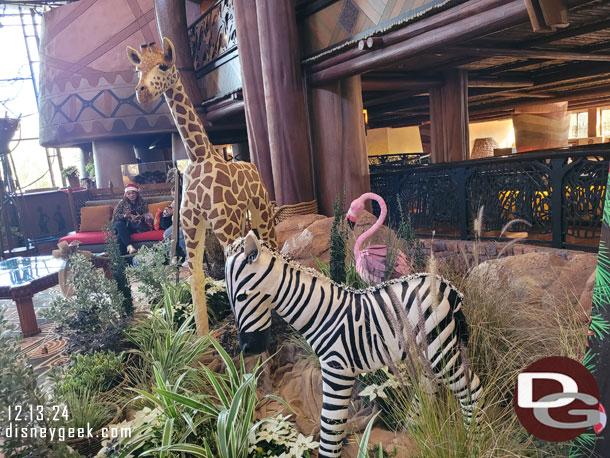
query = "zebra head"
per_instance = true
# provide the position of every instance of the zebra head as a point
(248, 266)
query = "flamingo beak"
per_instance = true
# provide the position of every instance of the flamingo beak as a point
(351, 221)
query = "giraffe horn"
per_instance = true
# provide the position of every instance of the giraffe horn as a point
(143, 47)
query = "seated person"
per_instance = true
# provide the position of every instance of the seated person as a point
(129, 217)
(165, 222)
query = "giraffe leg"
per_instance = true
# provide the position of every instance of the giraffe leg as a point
(336, 395)
(195, 246)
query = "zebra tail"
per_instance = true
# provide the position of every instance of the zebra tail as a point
(461, 326)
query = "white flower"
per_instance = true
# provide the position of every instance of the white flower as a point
(373, 391)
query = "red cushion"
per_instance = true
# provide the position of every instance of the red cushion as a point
(148, 236)
(92, 238)
(85, 238)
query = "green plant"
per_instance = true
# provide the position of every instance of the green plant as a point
(70, 172)
(118, 268)
(338, 237)
(406, 232)
(150, 270)
(364, 442)
(19, 390)
(94, 317)
(159, 341)
(211, 416)
(97, 372)
(90, 168)
(352, 279)
(86, 411)
(277, 437)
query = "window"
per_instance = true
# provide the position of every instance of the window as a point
(579, 125)
(606, 122)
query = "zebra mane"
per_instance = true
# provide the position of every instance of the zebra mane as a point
(239, 246)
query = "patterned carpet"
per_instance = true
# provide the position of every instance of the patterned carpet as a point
(44, 350)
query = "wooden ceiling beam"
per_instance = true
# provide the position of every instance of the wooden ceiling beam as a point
(512, 13)
(568, 33)
(480, 81)
(398, 84)
(443, 18)
(530, 54)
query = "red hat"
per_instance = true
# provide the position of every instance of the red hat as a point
(132, 187)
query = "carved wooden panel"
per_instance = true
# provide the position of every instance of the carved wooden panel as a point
(213, 34)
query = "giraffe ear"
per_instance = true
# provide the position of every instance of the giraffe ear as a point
(134, 56)
(168, 51)
(251, 247)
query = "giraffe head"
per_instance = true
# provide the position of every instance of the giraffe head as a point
(156, 68)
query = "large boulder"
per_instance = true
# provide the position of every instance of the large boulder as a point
(310, 244)
(294, 226)
(542, 277)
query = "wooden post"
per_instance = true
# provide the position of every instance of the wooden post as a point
(72, 209)
(593, 123)
(285, 101)
(339, 142)
(246, 26)
(449, 118)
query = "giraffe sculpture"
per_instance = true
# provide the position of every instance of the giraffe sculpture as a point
(216, 194)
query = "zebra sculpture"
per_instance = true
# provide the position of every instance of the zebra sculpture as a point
(351, 332)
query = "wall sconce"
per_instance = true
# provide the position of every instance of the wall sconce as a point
(366, 120)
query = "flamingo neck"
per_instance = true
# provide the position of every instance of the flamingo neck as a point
(365, 235)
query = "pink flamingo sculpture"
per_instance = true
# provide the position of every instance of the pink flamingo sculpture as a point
(371, 261)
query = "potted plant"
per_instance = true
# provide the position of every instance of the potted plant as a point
(71, 173)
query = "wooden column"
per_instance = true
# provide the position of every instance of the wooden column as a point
(449, 118)
(171, 23)
(592, 123)
(285, 101)
(253, 89)
(339, 142)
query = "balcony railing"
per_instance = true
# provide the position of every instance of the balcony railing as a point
(213, 35)
(560, 192)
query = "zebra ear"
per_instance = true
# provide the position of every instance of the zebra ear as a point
(251, 247)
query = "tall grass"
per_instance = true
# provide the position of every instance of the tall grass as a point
(506, 335)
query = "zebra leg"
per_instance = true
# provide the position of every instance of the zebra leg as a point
(463, 382)
(336, 395)
(429, 388)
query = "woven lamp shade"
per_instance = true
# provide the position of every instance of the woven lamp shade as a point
(483, 147)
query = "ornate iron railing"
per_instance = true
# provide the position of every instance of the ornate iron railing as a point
(213, 35)
(560, 192)
(385, 161)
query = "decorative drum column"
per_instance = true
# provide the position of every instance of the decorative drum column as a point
(108, 156)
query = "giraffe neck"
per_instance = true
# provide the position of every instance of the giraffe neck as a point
(192, 132)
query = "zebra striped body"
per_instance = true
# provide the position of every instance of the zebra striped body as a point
(352, 332)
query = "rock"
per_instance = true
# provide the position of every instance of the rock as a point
(528, 274)
(544, 277)
(311, 244)
(293, 226)
(402, 443)
(573, 278)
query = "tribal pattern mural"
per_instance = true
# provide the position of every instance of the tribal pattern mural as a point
(86, 82)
